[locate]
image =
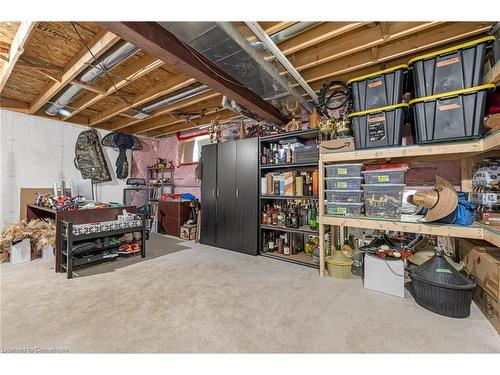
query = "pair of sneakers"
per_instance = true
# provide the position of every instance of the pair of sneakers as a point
(130, 247)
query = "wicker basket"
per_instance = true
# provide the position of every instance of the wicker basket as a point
(339, 265)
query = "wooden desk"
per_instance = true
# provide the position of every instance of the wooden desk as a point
(91, 215)
(171, 215)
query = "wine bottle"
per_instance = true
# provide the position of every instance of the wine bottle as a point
(313, 222)
(286, 245)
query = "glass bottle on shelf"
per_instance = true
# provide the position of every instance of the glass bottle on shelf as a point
(271, 245)
(265, 243)
(294, 220)
(313, 223)
(286, 245)
(263, 158)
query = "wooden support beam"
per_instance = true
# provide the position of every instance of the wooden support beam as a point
(15, 51)
(318, 34)
(14, 105)
(4, 47)
(384, 29)
(87, 87)
(353, 42)
(159, 42)
(99, 44)
(130, 74)
(409, 46)
(168, 86)
(493, 75)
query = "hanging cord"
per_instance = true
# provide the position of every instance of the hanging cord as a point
(103, 68)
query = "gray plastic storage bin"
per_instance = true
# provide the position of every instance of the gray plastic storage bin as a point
(383, 200)
(343, 183)
(343, 209)
(344, 170)
(342, 196)
(385, 176)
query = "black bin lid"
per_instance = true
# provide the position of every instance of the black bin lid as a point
(438, 271)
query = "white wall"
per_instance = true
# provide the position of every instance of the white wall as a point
(36, 152)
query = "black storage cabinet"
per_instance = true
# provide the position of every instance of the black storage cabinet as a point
(450, 116)
(379, 89)
(380, 127)
(229, 195)
(451, 69)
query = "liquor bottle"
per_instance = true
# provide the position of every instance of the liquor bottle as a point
(274, 216)
(313, 223)
(299, 185)
(276, 154)
(271, 243)
(264, 216)
(269, 216)
(289, 155)
(294, 220)
(288, 218)
(286, 245)
(265, 243)
(263, 158)
(315, 183)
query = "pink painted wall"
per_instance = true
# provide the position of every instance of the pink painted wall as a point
(184, 177)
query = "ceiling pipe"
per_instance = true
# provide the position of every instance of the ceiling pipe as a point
(121, 51)
(287, 33)
(268, 42)
(260, 59)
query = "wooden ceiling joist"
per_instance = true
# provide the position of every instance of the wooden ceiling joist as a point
(16, 49)
(353, 42)
(182, 125)
(172, 84)
(99, 44)
(157, 41)
(409, 46)
(132, 73)
(318, 34)
(128, 124)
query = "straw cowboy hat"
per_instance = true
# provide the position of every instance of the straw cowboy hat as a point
(440, 202)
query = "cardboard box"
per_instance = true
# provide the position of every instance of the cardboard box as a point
(483, 262)
(289, 183)
(270, 184)
(188, 232)
(488, 306)
(337, 145)
(384, 275)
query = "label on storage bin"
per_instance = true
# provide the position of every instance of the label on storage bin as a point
(447, 107)
(341, 184)
(341, 210)
(383, 178)
(454, 60)
(342, 171)
(376, 129)
(375, 84)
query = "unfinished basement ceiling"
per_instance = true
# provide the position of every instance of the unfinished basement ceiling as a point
(54, 57)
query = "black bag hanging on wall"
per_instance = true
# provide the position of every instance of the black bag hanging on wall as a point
(89, 157)
(122, 142)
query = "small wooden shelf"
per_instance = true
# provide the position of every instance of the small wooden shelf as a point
(408, 223)
(441, 151)
(305, 134)
(301, 258)
(290, 197)
(304, 229)
(289, 165)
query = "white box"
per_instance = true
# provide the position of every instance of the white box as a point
(20, 252)
(48, 252)
(384, 275)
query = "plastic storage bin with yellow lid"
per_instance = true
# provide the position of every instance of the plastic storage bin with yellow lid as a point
(379, 127)
(450, 116)
(378, 89)
(455, 68)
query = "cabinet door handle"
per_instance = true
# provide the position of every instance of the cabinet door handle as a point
(213, 192)
(218, 192)
(237, 192)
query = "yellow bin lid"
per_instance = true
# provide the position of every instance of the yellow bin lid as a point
(380, 72)
(489, 39)
(379, 109)
(489, 86)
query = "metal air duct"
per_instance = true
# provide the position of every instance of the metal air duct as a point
(119, 53)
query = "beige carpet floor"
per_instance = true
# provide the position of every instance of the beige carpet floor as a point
(203, 299)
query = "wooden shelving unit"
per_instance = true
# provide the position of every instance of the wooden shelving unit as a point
(468, 152)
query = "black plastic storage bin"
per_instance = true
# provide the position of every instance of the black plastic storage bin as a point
(440, 288)
(450, 69)
(379, 89)
(450, 116)
(379, 127)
